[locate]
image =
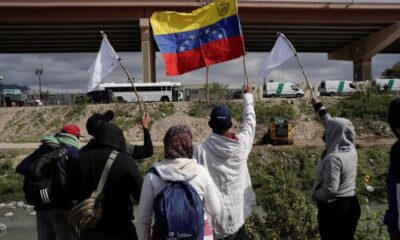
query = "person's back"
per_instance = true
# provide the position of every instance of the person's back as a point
(392, 216)
(225, 156)
(123, 182)
(47, 166)
(177, 166)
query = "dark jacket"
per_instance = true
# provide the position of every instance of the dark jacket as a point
(70, 144)
(392, 218)
(124, 180)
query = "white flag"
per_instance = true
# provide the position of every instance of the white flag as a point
(280, 53)
(105, 62)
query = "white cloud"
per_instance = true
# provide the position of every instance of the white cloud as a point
(68, 72)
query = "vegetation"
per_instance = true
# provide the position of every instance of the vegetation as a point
(367, 110)
(217, 91)
(393, 72)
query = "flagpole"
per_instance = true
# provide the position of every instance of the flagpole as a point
(129, 78)
(245, 69)
(133, 85)
(207, 71)
(298, 60)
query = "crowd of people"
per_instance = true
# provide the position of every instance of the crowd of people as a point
(194, 192)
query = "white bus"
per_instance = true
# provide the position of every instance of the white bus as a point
(148, 92)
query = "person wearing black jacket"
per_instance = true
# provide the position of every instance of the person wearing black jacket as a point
(392, 216)
(123, 183)
(137, 152)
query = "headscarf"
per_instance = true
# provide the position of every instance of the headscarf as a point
(178, 142)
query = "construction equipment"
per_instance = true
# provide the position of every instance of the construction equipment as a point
(280, 132)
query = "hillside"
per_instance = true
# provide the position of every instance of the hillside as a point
(28, 124)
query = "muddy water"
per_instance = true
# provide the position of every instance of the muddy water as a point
(20, 226)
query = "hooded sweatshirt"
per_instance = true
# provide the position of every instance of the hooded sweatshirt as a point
(180, 169)
(226, 160)
(392, 216)
(336, 172)
(123, 183)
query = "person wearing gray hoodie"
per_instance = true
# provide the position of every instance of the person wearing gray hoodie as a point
(177, 165)
(334, 188)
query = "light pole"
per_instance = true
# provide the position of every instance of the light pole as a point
(39, 73)
(1, 89)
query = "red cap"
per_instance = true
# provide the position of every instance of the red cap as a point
(72, 129)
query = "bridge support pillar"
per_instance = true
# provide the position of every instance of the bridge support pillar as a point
(148, 53)
(361, 51)
(362, 69)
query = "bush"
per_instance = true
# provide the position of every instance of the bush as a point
(167, 108)
(265, 111)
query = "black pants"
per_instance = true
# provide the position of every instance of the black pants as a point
(239, 235)
(338, 219)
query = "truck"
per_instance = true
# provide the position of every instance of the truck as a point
(337, 88)
(388, 85)
(281, 89)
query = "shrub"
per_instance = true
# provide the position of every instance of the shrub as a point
(265, 111)
(167, 108)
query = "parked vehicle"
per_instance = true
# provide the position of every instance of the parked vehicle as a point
(337, 88)
(388, 85)
(101, 96)
(281, 89)
(280, 132)
(148, 92)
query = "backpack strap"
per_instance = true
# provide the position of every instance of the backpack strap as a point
(106, 170)
(153, 171)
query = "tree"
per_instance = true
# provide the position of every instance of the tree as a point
(217, 91)
(393, 72)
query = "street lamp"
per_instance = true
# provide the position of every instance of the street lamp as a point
(39, 73)
(1, 89)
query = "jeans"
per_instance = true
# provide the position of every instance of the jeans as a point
(52, 224)
(338, 219)
(239, 235)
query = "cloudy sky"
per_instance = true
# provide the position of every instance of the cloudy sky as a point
(68, 72)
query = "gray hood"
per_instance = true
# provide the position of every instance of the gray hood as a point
(339, 134)
(222, 147)
(179, 169)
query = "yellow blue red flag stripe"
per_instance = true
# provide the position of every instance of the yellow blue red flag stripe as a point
(206, 36)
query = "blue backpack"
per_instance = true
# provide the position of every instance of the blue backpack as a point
(178, 212)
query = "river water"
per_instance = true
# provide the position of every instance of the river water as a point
(22, 225)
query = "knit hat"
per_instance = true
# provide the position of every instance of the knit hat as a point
(220, 119)
(72, 129)
(96, 121)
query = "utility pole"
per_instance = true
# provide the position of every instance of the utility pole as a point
(39, 73)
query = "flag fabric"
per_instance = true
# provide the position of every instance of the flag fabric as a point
(208, 35)
(280, 53)
(105, 62)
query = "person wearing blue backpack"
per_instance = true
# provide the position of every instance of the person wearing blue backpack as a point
(176, 190)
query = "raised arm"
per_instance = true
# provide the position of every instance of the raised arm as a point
(321, 110)
(247, 131)
(139, 152)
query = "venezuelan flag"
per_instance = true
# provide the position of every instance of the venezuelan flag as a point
(206, 36)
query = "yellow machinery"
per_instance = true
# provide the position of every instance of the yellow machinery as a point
(280, 132)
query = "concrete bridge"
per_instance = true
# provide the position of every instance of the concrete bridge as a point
(346, 30)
